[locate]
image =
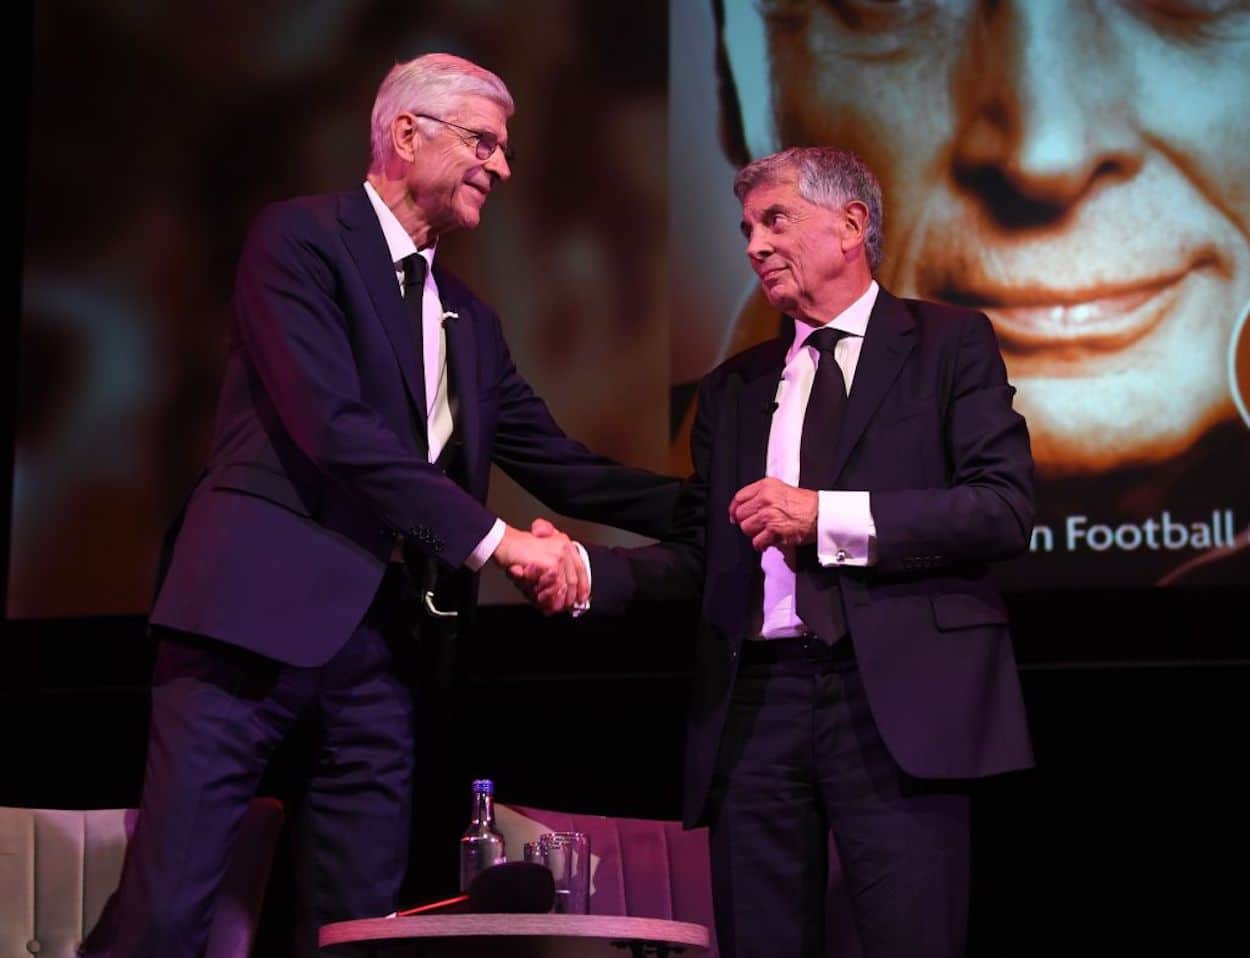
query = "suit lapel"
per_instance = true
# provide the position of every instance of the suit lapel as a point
(887, 341)
(362, 234)
(755, 408)
(737, 572)
(462, 369)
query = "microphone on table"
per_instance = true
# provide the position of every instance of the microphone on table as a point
(507, 888)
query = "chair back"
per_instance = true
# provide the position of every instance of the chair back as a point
(58, 869)
(639, 867)
(649, 868)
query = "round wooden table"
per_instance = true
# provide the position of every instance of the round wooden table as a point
(516, 936)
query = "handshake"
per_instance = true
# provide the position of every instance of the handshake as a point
(546, 566)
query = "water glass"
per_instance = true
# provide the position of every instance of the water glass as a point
(567, 856)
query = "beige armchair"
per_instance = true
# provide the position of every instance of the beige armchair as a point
(58, 869)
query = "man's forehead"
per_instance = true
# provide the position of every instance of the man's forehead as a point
(483, 112)
(775, 193)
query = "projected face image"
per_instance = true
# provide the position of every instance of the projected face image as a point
(1078, 170)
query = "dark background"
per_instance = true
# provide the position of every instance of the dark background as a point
(1128, 835)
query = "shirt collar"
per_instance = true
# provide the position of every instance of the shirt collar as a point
(398, 242)
(853, 319)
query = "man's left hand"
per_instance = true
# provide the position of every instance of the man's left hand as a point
(772, 513)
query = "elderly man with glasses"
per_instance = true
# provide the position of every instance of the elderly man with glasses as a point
(341, 516)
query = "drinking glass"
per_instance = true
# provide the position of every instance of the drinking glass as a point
(567, 856)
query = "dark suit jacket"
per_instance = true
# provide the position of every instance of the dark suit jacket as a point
(931, 435)
(316, 466)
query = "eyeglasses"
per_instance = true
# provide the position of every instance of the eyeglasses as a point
(484, 142)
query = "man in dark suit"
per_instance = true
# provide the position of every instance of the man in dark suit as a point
(365, 397)
(852, 479)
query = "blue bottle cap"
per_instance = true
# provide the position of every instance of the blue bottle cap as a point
(483, 786)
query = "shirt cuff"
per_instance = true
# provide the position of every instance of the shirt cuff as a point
(845, 532)
(486, 548)
(581, 608)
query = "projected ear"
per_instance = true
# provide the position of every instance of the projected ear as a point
(1239, 365)
(748, 122)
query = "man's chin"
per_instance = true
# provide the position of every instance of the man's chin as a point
(1073, 443)
(469, 209)
(1058, 456)
(778, 300)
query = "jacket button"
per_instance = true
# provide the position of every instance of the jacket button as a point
(33, 946)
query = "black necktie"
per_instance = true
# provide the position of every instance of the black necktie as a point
(817, 597)
(414, 284)
(423, 567)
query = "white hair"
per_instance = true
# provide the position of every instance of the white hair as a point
(430, 84)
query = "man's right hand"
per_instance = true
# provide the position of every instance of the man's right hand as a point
(545, 566)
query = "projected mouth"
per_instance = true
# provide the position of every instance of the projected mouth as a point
(1105, 317)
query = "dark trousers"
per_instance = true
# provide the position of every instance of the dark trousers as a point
(801, 755)
(218, 713)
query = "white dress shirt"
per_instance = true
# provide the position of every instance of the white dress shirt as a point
(845, 532)
(438, 423)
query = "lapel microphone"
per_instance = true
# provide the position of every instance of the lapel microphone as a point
(772, 406)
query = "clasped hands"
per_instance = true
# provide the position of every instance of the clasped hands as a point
(547, 567)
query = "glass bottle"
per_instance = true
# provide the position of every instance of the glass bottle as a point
(481, 845)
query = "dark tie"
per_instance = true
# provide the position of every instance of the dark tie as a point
(423, 567)
(414, 284)
(430, 582)
(817, 597)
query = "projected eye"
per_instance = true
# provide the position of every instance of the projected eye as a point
(867, 16)
(1193, 8)
(873, 16)
(831, 30)
(1213, 19)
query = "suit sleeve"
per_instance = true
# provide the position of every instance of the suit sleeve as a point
(566, 476)
(672, 570)
(296, 337)
(986, 511)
